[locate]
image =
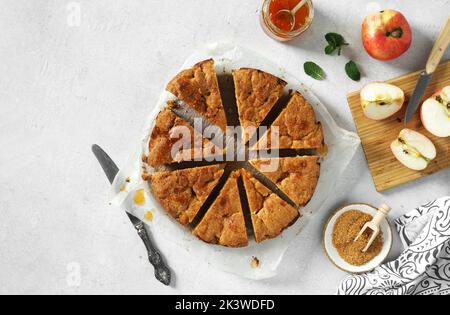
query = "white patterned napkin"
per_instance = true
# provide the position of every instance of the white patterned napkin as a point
(423, 268)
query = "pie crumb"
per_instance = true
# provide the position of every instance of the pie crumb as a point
(255, 262)
(323, 151)
(148, 216)
(139, 197)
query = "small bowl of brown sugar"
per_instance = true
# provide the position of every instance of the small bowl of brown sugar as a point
(339, 239)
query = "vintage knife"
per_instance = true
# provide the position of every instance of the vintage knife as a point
(162, 272)
(425, 77)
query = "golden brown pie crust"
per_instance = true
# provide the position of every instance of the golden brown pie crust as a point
(182, 193)
(269, 213)
(297, 127)
(256, 94)
(161, 142)
(224, 223)
(198, 87)
(297, 176)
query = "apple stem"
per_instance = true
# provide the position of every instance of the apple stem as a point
(396, 33)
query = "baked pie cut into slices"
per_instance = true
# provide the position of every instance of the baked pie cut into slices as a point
(224, 223)
(297, 176)
(182, 193)
(257, 92)
(297, 128)
(166, 141)
(198, 87)
(270, 214)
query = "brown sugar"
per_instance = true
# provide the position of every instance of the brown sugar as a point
(347, 227)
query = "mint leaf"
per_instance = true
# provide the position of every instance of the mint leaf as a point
(314, 70)
(330, 49)
(335, 41)
(352, 71)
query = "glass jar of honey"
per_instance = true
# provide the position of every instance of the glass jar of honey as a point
(280, 26)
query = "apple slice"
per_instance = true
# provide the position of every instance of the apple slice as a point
(413, 150)
(381, 100)
(435, 113)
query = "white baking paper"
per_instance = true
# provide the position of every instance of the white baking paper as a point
(342, 146)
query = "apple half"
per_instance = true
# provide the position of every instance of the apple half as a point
(435, 113)
(413, 150)
(381, 100)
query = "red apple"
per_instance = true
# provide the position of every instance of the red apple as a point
(386, 35)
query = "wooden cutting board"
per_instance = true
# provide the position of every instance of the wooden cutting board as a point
(377, 136)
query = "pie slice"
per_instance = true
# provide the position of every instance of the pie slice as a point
(182, 193)
(224, 223)
(297, 128)
(256, 94)
(270, 214)
(198, 87)
(297, 176)
(166, 141)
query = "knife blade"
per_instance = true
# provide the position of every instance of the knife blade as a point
(162, 272)
(417, 96)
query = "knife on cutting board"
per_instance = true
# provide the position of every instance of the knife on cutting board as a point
(425, 77)
(162, 272)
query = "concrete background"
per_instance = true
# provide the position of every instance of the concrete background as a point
(83, 72)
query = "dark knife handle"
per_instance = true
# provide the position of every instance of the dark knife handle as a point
(162, 272)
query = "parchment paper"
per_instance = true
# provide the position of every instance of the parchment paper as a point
(342, 146)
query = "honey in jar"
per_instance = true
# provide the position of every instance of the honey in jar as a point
(279, 26)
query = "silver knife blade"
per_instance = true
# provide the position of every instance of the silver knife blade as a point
(417, 96)
(110, 168)
(162, 272)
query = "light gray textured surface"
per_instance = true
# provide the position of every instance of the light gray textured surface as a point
(66, 85)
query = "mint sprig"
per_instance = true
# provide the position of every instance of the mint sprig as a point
(335, 42)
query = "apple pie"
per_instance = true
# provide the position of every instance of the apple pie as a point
(257, 92)
(269, 213)
(174, 140)
(198, 87)
(297, 176)
(297, 128)
(182, 193)
(224, 223)
(207, 199)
